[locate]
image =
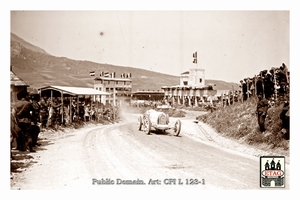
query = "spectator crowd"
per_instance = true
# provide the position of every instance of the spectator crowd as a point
(271, 88)
(271, 84)
(30, 114)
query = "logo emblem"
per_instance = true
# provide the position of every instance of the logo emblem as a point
(272, 171)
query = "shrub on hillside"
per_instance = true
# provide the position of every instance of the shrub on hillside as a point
(273, 122)
(239, 121)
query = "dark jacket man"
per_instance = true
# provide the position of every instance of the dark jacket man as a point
(23, 113)
(44, 105)
(35, 117)
(261, 110)
(285, 118)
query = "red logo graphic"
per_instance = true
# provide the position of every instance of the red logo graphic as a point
(272, 173)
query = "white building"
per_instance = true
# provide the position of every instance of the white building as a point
(191, 89)
(193, 77)
(119, 89)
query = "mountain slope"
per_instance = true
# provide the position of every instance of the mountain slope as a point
(38, 68)
(25, 44)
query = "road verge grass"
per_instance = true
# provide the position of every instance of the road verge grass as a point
(239, 122)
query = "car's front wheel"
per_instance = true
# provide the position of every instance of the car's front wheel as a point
(147, 124)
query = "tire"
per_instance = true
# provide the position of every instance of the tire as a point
(140, 123)
(147, 124)
(177, 127)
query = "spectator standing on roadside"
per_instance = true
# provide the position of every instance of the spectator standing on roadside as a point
(73, 109)
(44, 106)
(54, 116)
(245, 89)
(35, 129)
(66, 114)
(282, 79)
(81, 110)
(14, 127)
(23, 113)
(262, 108)
(259, 85)
(268, 86)
(285, 118)
(87, 112)
(93, 113)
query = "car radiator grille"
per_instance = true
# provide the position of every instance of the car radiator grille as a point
(162, 120)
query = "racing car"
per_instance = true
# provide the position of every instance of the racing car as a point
(157, 120)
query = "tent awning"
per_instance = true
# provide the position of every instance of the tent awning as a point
(74, 90)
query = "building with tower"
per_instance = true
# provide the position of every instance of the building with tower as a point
(191, 89)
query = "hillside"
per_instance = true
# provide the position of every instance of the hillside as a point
(25, 44)
(239, 122)
(38, 68)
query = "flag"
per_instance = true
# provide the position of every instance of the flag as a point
(106, 74)
(113, 74)
(92, 73)
(195, 57)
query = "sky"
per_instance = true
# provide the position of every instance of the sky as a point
(230, 45)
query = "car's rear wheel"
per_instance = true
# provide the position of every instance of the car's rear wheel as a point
(147, 124)
(140, 123)
(177, 127)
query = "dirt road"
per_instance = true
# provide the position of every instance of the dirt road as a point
(119, 156)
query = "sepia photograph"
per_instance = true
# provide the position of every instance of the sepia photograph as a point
(150, 100)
